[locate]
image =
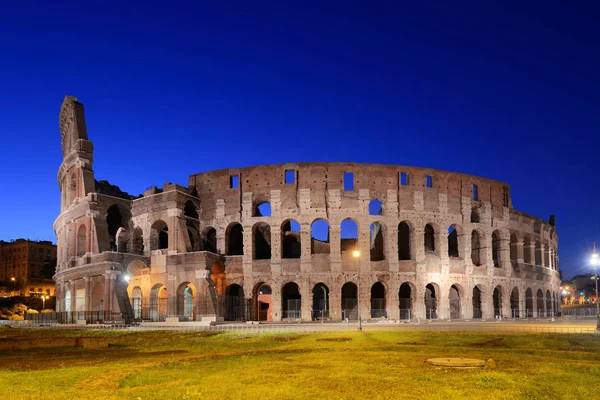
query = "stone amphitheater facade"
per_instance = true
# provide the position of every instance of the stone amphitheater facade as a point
(298, 241)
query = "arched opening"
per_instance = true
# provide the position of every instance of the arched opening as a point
(319, 241)
(540, 303)
(136, 302)
(429, 239)
(320, 307)
(81, 240)
(291, 246)
(475, 216)
(349, 301)
(234, 303)
(72, 189)
(453, 242)
(97, 297)
(475, 249)
(513, 248)
(405, 301)
(526, 250)
(114, 221)
(377, 252)
(430, 302)
(209, 240)
(137, 244)
(378, 309)
(291, 301)
(193, 237)
(497, 300)
(262, 209)
(538, 253)
(68, 300)
(158, 303)
(159, 236)
(454, 298)
(235, 240)
(528, 303)
(477, 303)
(403, 241)
(514, 303)
(122, 240)
(185, 301)
(375, 207)
(348, 235)
(261, 233)
(263, 296)
(496, 249)
(549, 308)
(189, 210)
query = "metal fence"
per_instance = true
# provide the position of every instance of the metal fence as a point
(90, 317)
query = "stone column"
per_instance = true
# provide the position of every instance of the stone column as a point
(176, 242)
(443, 302)
(276, 301)
(417, 245)
(88, 294)
(335, 255)
(520, 251)
(487, 303)
(172, 295)
(276, 250)
(335, 301)
(392, 302)
(248, 246)
(542, 254)
(505, 303)
(391, 247)
(418, 305)
(531, 248)
(505, 250)
(109, 281)
(305, 244)
(306, 301)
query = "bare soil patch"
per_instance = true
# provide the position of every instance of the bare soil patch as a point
(336, 339)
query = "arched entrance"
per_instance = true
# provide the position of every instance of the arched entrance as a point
(430, 302)
(320, 309)
(158, 303)
(540, 303)
(477, 303)
(454, 299)
(349, 301)
(497, 299)
(548, 304)
(514, 303)
(263, 294)
(528, 303)
(378, 301)
(136, 302)
(234, 303)
(185, 301)
(291, 301)
(405, 301)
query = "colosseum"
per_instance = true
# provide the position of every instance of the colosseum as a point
(297, 242)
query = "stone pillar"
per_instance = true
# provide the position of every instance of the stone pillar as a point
(418, 305)
(305, 244)
(364, 246)
(531, 248)
(176, 242)
(306, 301)
(392, 302)
(505, 250)
(542, 254)
(505, 303)
(391, 248)
(276, 251)
(520, 251)
(109, 282)
(335, 255)
(487, 303)
(443, 302)
(276, 301)
(172, 295)
(417, 245)
(335, 301)
(248, 246)
(88, 293)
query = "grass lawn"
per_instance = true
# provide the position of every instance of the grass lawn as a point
(344, 365)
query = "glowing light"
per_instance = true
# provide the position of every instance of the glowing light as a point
(127, 278)
(356, 253)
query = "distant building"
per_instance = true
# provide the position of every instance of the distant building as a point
(579, 290)
(22, 267)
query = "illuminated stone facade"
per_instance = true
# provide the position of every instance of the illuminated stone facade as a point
(276, 242)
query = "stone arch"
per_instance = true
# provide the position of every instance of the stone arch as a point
(136, 268)
(193, 235)
(209, 240)
(320, 308)
(378, 306)
(404, 237)
(291, 301)
(97, 296)
(190, 210)
(136, 302)
(527, 250)
(348, 235)
(319, 241)
(455, 296)
(375, 207)
(235, 303)
(514, 248)
(477, 302)
(116, 218)
(186, 301)
(122, 238)
(159, 235)
(406, 294)
(263, 301)
(81, 246)
(538, 253)
(158, 302)
(429, 238)
(476, 215)
(497, 301)
(261, 239)
(137, 244)
(234, 236)
(496, 257)
(529, 303)
(549, 307)
(350, 301)
(72, 188)
(291, 245)
(539, 303)
(476, 248)
(261, 209)
(432, 291)
(454, 232)
(377, 241)
(515, 303)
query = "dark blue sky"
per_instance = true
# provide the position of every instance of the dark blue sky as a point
(505, 91)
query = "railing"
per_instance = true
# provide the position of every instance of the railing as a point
(72, 317)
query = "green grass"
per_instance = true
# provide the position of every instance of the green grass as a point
(343, 365)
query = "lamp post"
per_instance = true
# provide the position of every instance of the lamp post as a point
(13, 284)
(356, 255)
(44, 298)
(595, 261)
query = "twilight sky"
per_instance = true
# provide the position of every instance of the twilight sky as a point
(506, 91)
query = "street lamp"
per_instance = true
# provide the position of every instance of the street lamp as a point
(356, 255)
(44, 298)
(595, 261)
(13, 283)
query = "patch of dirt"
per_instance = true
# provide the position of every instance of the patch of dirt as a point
(207, 334)
(165, 352)
(412, 343)
(336, 339)
(490, 344)
(575, 345)
(286, 338)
